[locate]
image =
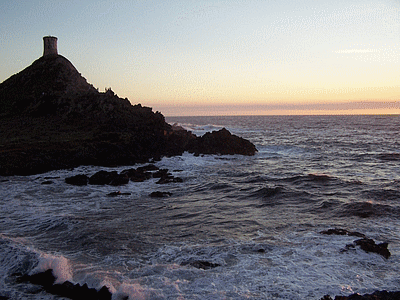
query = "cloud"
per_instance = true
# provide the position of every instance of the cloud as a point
(357, 51)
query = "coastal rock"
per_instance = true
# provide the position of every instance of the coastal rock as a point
(102, 177)
(66, 289)
(77, 180)
(377, 295)
(119, 179)
(221, 142)
(161, 173)
(52, 118)
(149, 167)
(366, 244)
(159, 194)
(339, 231)
(137, 175)
(369, 245)
(165, 177)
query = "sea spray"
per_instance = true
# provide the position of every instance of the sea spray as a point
(59, 264)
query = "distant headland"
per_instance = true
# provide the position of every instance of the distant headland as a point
(52, 118)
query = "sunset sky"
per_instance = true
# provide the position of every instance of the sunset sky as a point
(220, 57)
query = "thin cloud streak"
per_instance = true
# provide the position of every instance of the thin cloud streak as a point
(357, 51)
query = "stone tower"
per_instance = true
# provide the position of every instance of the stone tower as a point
(50, 45)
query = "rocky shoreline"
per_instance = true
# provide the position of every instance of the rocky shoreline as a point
(51, 118)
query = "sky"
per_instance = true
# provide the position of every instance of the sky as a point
(272, 57)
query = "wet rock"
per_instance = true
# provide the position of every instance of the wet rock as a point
(366, 244)
(66, 289)
(137, 175)
(369, 245)
(339, 231)
(201, 264)
(102, 177)
(119, 179)
(149, 167)
(77, 180)
(221, 142)
(45, 279)
(159, 194)
(165, 177)
(161, 173)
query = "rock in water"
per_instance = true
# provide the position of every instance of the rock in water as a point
(77, 180)
(159, 194)
(369, 245)
(66, 289)
(377, 295)
(221, 142)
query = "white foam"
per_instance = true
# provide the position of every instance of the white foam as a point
(59, 264)
(134, 291)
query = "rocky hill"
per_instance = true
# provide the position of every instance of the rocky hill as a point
(51, 118)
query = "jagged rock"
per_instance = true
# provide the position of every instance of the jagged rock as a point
(161, 173)
(366, 244)
(221, 142)
(369, 245)
(159, 194)
(102, 177)
(165, 177)
(137, 175)
(77, 180)
(339, 231)
(45, 279)
(66, 289)
(149, 167)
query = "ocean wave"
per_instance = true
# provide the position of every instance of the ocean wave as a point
(382, 194)
(368, 209)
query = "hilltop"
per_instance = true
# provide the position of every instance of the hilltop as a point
(52, 118)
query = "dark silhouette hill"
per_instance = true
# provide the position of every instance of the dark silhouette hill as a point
(52, 118)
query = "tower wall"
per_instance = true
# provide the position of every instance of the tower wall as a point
(50, 45)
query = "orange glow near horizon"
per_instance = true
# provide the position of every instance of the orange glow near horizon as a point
(347, 108)
(346, 100)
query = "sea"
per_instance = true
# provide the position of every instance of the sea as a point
(237, 227)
